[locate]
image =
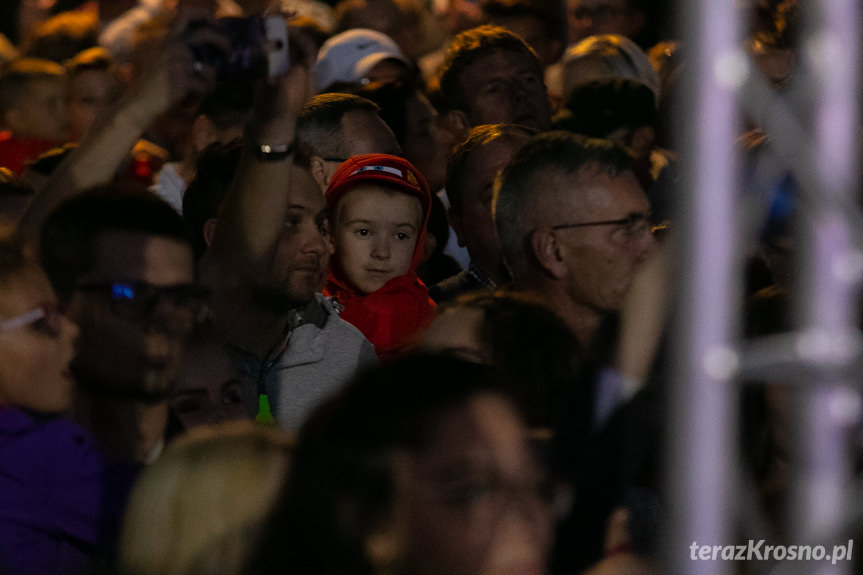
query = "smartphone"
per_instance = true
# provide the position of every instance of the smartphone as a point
(259, 48)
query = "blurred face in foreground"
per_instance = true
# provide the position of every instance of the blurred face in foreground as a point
(474, 500)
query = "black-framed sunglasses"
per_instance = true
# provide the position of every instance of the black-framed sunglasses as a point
(633, 225)
(137, 300)
(45, 319)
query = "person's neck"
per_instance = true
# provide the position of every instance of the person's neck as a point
(128, 429)
(582, 320)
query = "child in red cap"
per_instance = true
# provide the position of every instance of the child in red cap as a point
(379, 208)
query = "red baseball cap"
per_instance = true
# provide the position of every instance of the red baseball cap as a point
(382, 169)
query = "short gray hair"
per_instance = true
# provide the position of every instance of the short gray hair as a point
(319, 126)
(536, 173)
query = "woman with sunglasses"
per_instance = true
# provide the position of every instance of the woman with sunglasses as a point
(51, 500)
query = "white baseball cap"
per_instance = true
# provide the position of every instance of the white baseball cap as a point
(349, 56)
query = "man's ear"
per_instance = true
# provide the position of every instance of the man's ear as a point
(548, 253)
(317, 167)
(455, 222)
(457, 123)
(210, 230)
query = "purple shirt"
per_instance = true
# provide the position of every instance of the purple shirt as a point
(58, 498)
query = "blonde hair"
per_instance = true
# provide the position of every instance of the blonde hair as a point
(201, 505)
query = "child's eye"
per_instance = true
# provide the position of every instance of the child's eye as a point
(362, 232)
(402, 236)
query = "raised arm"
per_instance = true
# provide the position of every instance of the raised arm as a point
(252, 217)
(173, 76)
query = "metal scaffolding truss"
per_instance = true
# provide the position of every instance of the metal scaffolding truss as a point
(814, 133)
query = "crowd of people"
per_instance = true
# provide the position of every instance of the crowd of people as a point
(398, 307)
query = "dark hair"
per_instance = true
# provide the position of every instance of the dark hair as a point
(216, 167)
(17, 76)
(342, 485)
(478, 137)
(601, 107)
(541, 377)
(392, 99)
(68, 235)
(468, 47)
(319, 126)
(535, 172)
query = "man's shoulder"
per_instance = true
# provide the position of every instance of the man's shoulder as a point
(335, 325)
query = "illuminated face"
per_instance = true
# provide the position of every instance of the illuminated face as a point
(602, 260)
(376, 232)
(128, 346)
(35, 358)
(506, 87)
(302, 256)
(475, 497)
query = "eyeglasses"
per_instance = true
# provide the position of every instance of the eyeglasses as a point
(44, 319)
(633, 225)
(137, 300)
(483, 499)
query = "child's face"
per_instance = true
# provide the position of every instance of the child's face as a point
(41, 112)
(35, 357)
(89, 95)
(376, 232)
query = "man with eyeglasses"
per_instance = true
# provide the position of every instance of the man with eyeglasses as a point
(121, 263)
(574, 225)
